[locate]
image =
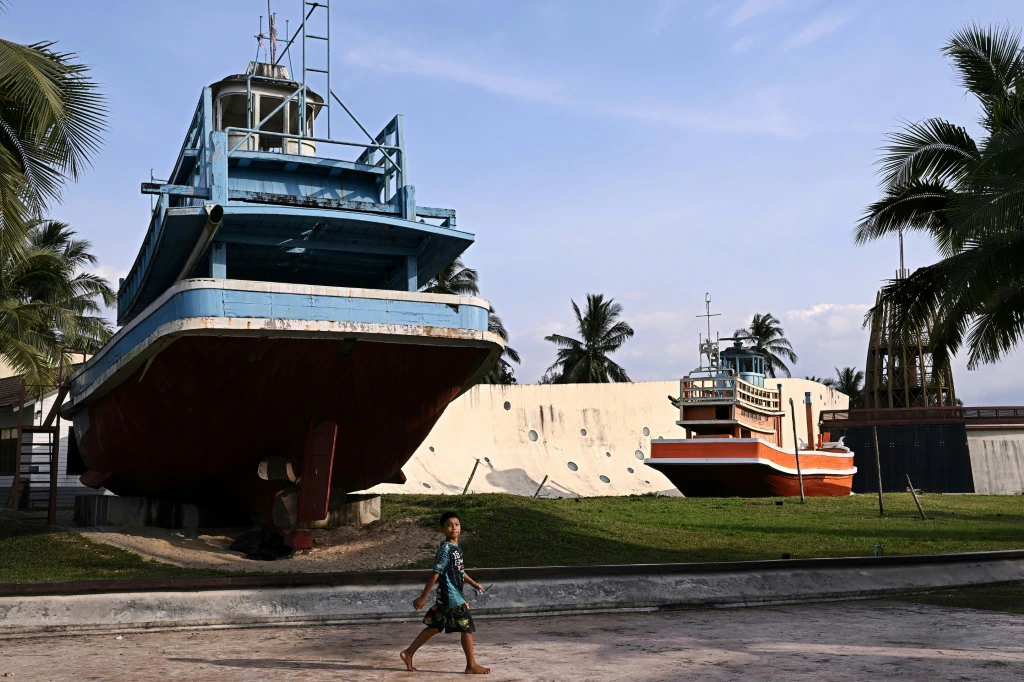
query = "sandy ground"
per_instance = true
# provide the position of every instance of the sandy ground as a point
(840, 641)
(348, 548)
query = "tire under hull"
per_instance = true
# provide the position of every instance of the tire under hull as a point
(195, 423)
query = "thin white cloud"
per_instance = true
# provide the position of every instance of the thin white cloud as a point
(391, 59)
(759, 113)
(110, 273)
(819, 28)
(753, 8)
(743, 44)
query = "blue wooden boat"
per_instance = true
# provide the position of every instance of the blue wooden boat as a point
(273, 315)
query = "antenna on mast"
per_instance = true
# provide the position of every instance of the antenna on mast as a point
(709, 348)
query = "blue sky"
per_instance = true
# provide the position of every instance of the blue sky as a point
(650, 150)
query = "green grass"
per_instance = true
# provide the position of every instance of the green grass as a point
(1006, 597)
(34, 553)
(505, 530)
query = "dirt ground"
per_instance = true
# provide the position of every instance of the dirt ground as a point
(839, 641)
(387, 544)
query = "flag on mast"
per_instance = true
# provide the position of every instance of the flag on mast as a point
(273, 39)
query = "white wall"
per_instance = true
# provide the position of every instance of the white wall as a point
(997, 460)
(614, 416)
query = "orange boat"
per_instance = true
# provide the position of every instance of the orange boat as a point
(733, 427)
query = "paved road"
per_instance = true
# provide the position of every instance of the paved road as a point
(849, 641)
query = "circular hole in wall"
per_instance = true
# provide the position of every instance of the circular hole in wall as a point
(647, 431)
(426, 485)
(661, 437)
(630, 469)
(431, 448)
(583, 432)
(605, 479)
(533, 435)
(639, 454)
(487, 459)
(607, 454)
(647, 482)
(508, 405)
(573, 466)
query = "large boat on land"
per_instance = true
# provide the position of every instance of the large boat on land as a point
(275, 348)
(733, 426)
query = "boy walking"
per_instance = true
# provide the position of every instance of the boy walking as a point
(451, 612)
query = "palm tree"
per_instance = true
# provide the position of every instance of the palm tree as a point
(501, 372)
(966, 195)
(456, 279)
(765, 336)
(48, 303)
(850, 380)
(827, 381)
(52, 117)
(602, 333)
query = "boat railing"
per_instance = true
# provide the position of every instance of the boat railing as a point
(723, 386)
(903, 416)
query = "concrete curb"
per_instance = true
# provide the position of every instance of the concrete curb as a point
(387, 595)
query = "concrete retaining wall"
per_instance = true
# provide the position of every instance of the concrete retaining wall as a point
(574, 434)
(388, 595)
(997, 459)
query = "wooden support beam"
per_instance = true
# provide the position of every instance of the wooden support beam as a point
(176, 190)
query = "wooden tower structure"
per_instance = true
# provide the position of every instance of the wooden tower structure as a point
(902, 371)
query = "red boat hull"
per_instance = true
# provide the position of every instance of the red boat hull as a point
(749, 467)
(196, 422)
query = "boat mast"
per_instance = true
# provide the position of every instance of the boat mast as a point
(708, 348)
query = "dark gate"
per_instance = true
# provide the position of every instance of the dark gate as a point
(934, 455)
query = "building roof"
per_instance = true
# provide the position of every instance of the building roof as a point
(9, 392)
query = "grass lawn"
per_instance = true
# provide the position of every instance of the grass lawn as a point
(1006, 597)
(506, 530)
(35, 553)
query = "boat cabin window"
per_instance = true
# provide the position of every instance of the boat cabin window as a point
(275, 124)
(293, 118)
(232, 112)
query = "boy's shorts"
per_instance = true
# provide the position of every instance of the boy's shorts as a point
(457, 619)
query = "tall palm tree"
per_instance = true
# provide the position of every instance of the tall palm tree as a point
(967, 196)
(826, 381)
(586, 361)
(765, 336)
(457, 279)
(850, 380)
(52, 117)
(48, 303)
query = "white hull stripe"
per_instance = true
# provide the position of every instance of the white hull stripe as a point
(698, 461)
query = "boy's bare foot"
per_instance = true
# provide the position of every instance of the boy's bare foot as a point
(407, 659)
(477, 669)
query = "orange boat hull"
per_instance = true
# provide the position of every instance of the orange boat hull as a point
(749, 467)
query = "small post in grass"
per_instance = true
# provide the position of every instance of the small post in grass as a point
(916, 501)
(878, 470)
(541, 485)
(796, 450)
(471, 475)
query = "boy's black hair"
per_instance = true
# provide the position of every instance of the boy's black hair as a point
(448, 515)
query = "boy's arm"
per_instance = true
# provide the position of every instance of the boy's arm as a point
(420, 601)
(472, 583)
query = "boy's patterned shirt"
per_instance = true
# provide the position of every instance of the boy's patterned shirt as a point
(449, 565)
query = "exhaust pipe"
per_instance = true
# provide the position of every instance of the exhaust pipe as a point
(214, 215)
